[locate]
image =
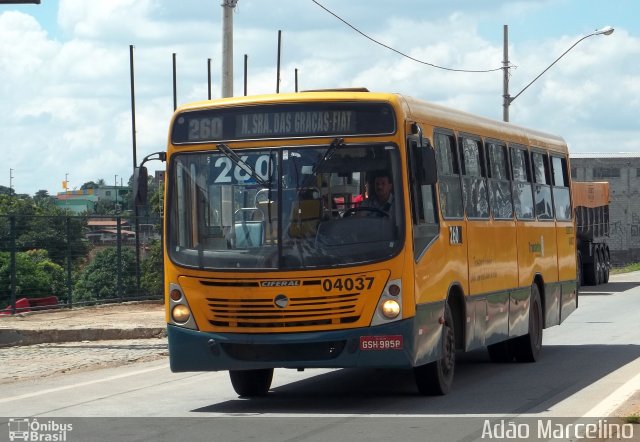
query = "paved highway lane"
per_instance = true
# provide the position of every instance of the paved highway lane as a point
(588, 364)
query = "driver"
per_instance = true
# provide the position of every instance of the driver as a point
(383, 196)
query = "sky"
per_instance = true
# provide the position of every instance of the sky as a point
(65, 97)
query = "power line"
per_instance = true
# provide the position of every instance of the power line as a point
(399, 52)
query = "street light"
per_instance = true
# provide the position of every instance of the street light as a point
(508, 99)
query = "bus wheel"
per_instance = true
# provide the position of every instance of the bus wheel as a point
(436, 378)
(251, 382)
(527, 348)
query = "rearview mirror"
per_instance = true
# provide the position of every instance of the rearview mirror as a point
(140, 186)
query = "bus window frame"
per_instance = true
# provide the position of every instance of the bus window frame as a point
(566, 183)
(417, 191)
(504, 146)
(544, 153)
(449, 133)
(482, 163)
(528, 178)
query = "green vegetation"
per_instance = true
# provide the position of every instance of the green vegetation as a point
(632, 419)
(151, 281)
(98, 280)
(47, 239)
(36, 276)
(626, 269)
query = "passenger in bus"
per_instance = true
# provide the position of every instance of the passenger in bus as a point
(382, 198)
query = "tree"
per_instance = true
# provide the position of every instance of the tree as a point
(36, 276)
(43, 199)
(98, 280)
(89, 185)
(151, 280)
(41, 227)
(6, 190)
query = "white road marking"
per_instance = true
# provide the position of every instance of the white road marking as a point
(608, 405)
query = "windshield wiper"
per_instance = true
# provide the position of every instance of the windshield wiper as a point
(335, 145)
(229, 153)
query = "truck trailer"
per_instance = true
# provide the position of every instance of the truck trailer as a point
(591, 205)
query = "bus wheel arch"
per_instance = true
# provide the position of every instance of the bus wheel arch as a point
(436, 378)
(527, 348)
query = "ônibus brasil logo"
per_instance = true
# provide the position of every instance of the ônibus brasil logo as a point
(32, 430)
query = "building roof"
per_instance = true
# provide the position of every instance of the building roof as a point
(106, 223)
(605, 155)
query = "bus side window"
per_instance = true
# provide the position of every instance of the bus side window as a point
(474, 184)
(451, 201)
(424, 210)
(522, 183)
(561, 194)
(542, 177)
(500, 199)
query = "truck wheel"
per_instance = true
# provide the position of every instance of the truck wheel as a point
(436, 378)
(250, 383)
(527, 348)
(606, 263)
(600, 275)
(591, 271)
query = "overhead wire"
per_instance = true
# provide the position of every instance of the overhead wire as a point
(400, 52)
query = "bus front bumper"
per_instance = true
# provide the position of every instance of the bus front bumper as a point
(386, 346)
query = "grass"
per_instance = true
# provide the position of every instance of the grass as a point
(632, 419)
(626, 269)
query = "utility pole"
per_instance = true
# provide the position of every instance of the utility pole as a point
(11, 182)
(505, 79)
(227, 47)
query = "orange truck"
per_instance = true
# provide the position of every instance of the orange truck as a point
(591, 205)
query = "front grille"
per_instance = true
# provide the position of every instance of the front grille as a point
(315, 351)
(301, 312)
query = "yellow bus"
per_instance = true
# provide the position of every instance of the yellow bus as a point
(346, 228)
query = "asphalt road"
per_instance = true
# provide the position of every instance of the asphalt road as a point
(589, 366)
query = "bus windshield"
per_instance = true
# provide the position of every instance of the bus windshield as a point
(283, 207)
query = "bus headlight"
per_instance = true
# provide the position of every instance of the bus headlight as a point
(180, 313)
(390, 308)
(390, 304)
(178, 308)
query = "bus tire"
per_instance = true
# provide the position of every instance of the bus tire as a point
(249, 383)
(436, 378)
(527, 348)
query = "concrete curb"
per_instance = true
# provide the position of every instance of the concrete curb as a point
(14, 337)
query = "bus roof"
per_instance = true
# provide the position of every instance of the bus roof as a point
(424, 111)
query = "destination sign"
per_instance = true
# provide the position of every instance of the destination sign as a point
(303, 122)
(283, 121)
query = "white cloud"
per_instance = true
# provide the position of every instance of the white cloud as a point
(65, 103)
